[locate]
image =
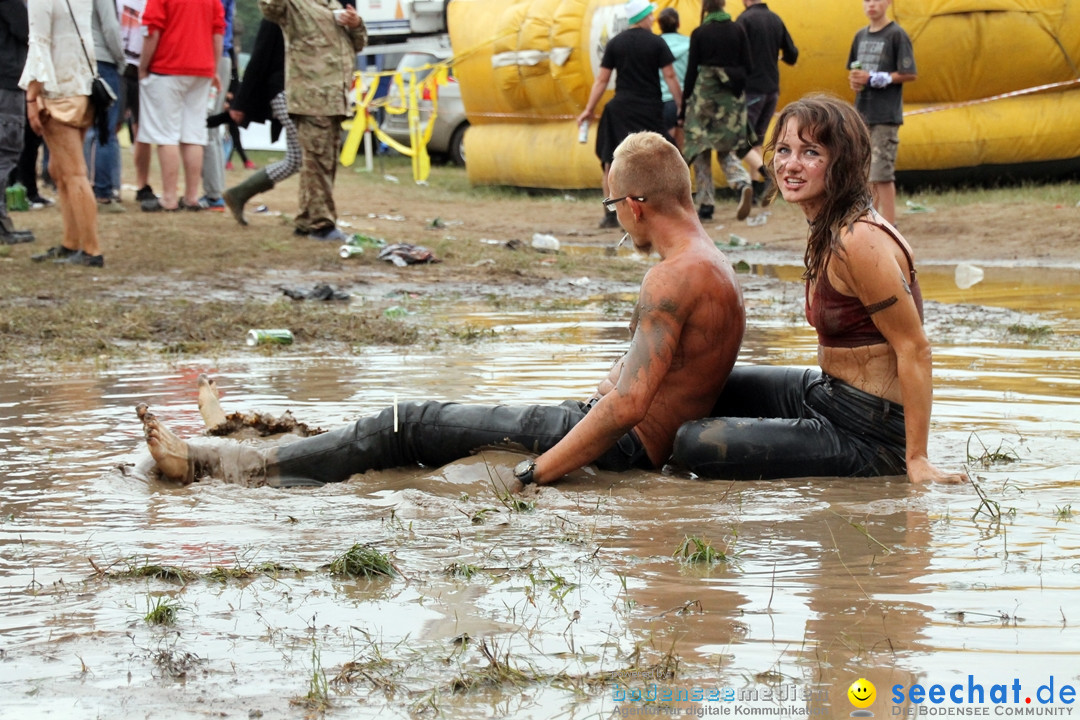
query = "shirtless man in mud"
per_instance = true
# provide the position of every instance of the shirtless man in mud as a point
(686, 331)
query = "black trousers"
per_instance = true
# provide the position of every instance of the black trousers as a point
(777, 422)
(433, 434)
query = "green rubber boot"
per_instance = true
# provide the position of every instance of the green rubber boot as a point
(235, 197)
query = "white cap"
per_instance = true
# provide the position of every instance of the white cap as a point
(637, 10)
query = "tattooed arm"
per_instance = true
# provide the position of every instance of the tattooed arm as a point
(635, 379)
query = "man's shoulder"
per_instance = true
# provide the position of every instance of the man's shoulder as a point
(694, 265)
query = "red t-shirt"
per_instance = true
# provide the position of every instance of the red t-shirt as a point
(187, 30)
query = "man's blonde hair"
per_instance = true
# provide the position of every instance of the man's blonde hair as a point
(647, 165)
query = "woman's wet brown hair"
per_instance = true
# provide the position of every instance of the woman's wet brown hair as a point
(835, 125)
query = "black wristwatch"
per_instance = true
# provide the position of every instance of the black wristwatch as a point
(524, 471)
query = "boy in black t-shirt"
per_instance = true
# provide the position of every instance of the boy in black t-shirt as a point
(880, 61)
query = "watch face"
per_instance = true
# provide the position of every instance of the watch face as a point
(524, 471)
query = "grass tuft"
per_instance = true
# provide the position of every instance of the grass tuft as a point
(163, 612)
(363, 561)
(696, 550)
(1002, 455)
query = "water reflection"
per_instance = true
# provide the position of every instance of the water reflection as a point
(825, 581)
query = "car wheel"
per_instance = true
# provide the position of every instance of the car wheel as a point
(457, 145)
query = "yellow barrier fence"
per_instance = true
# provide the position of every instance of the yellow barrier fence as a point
(411, 91)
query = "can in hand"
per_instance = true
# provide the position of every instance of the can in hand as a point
(583, 132)
(269, 337)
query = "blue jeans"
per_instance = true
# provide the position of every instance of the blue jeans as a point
(780, 422)
(103, 154)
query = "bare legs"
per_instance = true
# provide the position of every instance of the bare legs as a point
(185, 461)
(142, 163)
(67, 166)
(209, 403)
(170, 157)
(192, 156)
(169, 452)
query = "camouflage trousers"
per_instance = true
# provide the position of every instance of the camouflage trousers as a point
(715, 117)
(320, 140)
(733, 169)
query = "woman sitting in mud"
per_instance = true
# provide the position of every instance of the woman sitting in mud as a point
(867, 411)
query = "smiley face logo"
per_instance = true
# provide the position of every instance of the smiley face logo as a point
(862, 693)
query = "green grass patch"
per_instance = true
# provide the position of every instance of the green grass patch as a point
(363, 561)
(164, 611)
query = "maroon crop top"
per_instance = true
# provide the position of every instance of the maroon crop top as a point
(842, 320)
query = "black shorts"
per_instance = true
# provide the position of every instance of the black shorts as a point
(759, 113)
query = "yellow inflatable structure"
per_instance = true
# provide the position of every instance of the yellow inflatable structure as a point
(998, 89)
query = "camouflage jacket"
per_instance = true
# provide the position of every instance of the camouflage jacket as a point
(320, 55)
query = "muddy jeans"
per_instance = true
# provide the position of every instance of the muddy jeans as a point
(431, 434)
(777, 422)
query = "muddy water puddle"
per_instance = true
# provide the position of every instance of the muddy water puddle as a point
(573, 604)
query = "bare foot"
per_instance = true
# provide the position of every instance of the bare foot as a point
(209, 404)
(169, 452)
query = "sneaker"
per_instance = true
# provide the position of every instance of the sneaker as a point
(329, 234)
(38, 202)
(249, 165)
(196, 206)
(215, 204)
(705, 212)
(53, 253)
(110, 205)
(145, 193)
(81, 258)
(611, 220)
(746, 199)
(229, 165)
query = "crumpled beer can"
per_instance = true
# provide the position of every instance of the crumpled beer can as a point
(269, 337)
(348, 251)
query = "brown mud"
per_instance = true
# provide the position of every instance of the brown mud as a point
(126, 597)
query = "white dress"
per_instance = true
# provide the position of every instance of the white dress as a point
(56, 56)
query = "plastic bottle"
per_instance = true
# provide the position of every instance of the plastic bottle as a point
(545, 243)
(967, 275)
(16, 198)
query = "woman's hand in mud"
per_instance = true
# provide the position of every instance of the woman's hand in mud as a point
(920, 471)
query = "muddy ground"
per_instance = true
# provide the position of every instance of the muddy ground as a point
(193, 283)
